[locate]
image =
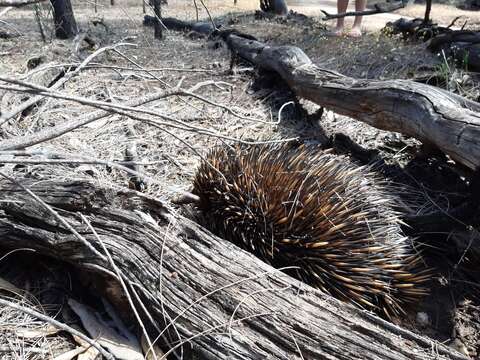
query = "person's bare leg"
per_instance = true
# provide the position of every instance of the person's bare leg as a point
(341, 8)
(356, 31)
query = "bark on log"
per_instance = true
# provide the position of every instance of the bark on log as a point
(208, 283)
(429, 114)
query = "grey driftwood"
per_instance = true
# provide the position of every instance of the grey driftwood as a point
(223, 302)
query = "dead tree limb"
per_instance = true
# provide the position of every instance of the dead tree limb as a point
(22, 142)
(432, 115)
(221, 301)
(378, 9)
(55, 84)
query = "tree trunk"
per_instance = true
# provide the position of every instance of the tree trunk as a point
(65, 24)
(428, 9)
(158, 14)
(278, 7)
(224, 302)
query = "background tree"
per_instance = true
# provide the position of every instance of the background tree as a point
(65, 24)
(158, 14)
(278, 7)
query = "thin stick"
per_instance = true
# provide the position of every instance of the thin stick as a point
(454, 21)
(57, 324)
(209, 15)
(119, 109)
(70, 161)
(247, 297)
(39, 22)
(196, 9)
(71, 124)
(4, 11)
(4, 117)
(80, 159)
(213, 328)
(160, 289)
(94, 66)
(378, 10)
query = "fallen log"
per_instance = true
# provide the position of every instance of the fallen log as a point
(206, 294)
(432, 115)
(461, 45)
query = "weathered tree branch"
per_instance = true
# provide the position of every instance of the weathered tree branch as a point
(378, 9)
(205, 285)
(432, 115)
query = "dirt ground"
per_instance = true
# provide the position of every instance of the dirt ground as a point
(227, 107)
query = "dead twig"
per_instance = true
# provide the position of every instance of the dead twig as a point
(4, 11)
(96, 66)
(125, 110)
(209, 15)
(378, 9)
(70, 125)
(57, 324)
(4, 117)
(207, 295)
(454, 21)
(51, 158)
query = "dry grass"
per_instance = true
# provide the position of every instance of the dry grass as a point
(23, 336)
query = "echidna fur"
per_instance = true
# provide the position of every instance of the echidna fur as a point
(304, 207)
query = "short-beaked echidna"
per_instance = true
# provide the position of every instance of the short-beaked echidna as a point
(301, 206)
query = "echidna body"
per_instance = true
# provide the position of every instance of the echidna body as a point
(307, 208)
